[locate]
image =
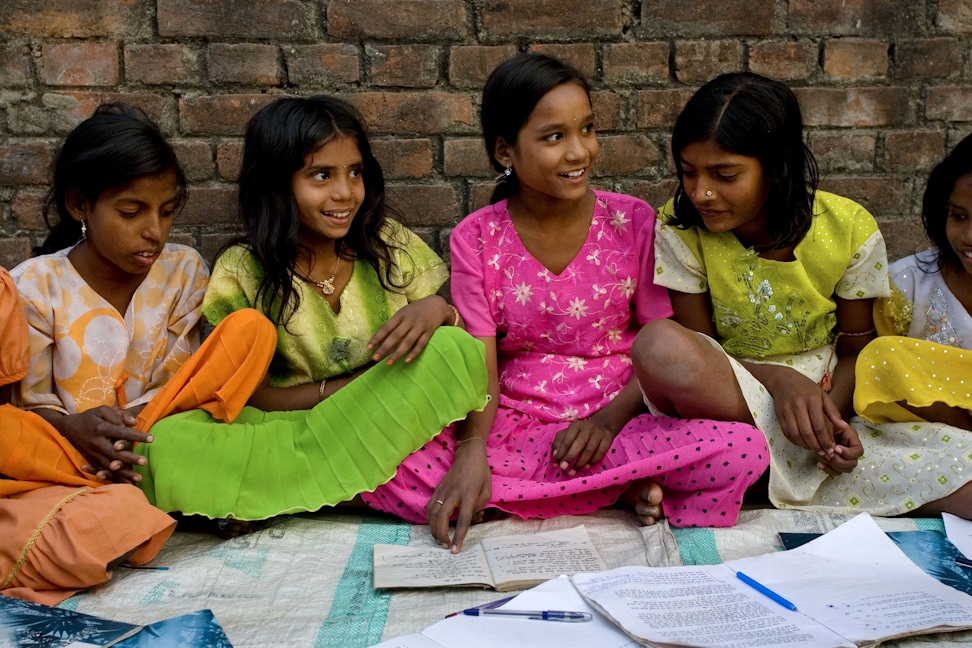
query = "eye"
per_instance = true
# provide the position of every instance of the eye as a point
(128, 213)
(355, 172)
(321, 176)
(688, 173)
(726, 177)
(957, 215)
(553, 137)
(167, 213)
(588, 128)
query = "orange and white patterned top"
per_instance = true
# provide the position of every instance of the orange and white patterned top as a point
(84, 353)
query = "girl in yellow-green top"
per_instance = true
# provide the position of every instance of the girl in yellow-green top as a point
(780, 278)
(370, 363)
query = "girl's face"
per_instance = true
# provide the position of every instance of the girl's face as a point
(127, 226)
(728, 190)
(958, 225)
(555, 150)
(328, 189)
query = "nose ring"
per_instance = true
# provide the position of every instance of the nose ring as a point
(708, 194)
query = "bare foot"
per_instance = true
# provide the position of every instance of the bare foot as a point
(645, 498)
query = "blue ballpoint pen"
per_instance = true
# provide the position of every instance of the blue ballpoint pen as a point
(762, 589)
(538, 615)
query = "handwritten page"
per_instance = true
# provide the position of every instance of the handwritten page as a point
(397, 566)
(541, 556)
(505, 563)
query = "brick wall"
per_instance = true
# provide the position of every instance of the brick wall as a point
(886, 86)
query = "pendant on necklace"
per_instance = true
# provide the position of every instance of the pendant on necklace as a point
(326, 286)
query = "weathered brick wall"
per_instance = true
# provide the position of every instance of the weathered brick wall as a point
(886, 86)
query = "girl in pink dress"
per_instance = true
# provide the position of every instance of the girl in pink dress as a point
(556, 280)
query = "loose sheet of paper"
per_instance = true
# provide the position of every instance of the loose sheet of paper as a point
(959, 532)
(857, 582)
(699, 606)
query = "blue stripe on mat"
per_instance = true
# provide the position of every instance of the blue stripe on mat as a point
(697, 546)
(358, 612)
(930, 524)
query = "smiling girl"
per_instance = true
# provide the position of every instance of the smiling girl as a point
(554, 278)
(370, 362)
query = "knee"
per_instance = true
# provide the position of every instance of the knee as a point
(663, 349)
(248, 325)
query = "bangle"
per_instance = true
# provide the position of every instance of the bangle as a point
(845, 334)
(321, 392)
(472, 438)
(455, 311)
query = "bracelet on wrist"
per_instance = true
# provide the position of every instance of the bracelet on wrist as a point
(455, 313)
(320, 393)
(472, 438)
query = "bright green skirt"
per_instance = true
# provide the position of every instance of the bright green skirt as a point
(268, 463)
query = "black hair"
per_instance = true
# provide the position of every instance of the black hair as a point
(278, 138)
(753, 116)
(117, 144)
(511, 92)
(935, 201)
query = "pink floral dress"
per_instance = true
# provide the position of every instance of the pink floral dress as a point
(563, 345)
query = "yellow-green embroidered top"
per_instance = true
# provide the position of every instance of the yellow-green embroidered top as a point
(317, 343)
(766, 308)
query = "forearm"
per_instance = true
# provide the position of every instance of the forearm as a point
(628, 403)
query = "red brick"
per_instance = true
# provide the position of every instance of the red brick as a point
(24, 163)
(581, 55)
(635, 63)
(470, 65)
(27, 209)
(853, 17)
(220, 114)
(155, 64)
(952, 16)
(910, 151)
(196, 159)
(209, 206)
(66, 109)
(286, 20)
(479, 195)
(607, 110)
(229, 154)
(700, 61)
(928, 58)
(552, 19)
(404, 158)
(14, 66)
(785, 60)
(949, 103)
(884, 197)
(432, 113)
(855, 58)
(81, 63)
(213, 243)
(248, 63)
(410, 66)
(625, 155)
(14, 250)
(425, 205)
(694, 19)
(843, 151)
(72, 19)
(904, 236)
(466, 158)
(322, 65)
(660, 108)
(854, 106)
(655, 192)
(397, 19)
